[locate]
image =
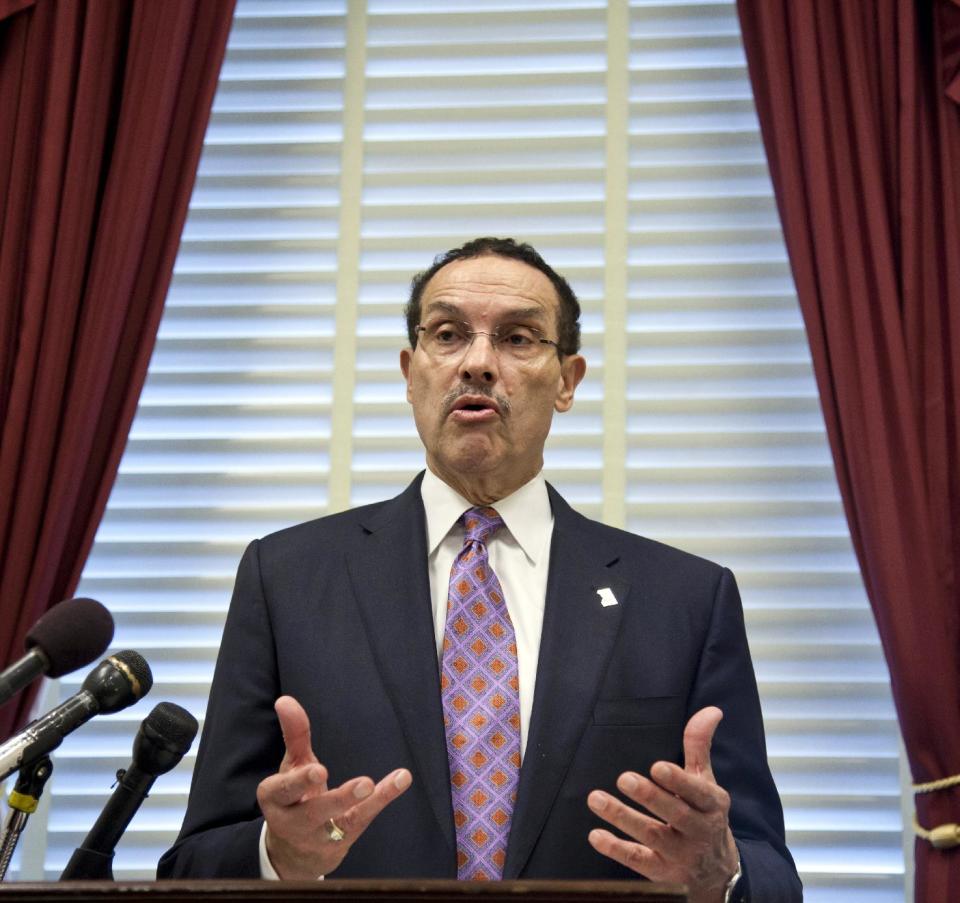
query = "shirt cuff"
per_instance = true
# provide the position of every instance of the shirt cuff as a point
(267, 871)
(266, 866)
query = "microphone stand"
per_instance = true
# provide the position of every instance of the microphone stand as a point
(24, 799)
(94, 860)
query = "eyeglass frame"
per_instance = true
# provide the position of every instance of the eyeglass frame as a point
(493, 336)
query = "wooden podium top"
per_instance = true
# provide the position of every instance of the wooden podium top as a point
(342, 891)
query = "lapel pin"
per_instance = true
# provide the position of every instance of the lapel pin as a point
(607, 598)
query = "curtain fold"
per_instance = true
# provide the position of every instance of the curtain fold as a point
(949, 36)
(109, 102)
(857, 105)
(9, 7)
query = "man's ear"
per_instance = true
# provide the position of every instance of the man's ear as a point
(572, 369)
(406, 358)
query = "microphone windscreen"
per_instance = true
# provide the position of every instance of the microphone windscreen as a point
(164, 738)
(138, 668)
(72, 634)
(174, 724)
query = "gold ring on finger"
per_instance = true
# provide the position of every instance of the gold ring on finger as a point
(334, 831)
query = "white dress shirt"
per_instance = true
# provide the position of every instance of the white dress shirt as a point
(520, 557)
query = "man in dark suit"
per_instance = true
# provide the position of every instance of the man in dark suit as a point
(624, 654)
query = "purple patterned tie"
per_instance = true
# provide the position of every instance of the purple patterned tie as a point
(481, 704)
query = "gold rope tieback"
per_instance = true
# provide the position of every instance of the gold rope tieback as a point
(942, 784)
(943, 837)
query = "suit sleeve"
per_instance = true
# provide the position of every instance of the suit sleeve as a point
(241, 744)
(725, 678)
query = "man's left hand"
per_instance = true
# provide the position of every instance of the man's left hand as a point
(689, 840)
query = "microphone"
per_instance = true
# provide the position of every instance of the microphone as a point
(70, 635)
(117, 682)
(161, 742)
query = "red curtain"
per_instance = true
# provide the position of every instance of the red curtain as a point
(858, 107)
(104, 108)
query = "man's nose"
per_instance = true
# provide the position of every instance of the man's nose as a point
(481, 361)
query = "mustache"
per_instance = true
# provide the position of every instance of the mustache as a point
(450, 399)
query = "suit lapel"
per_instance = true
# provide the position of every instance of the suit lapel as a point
(575, 645)
(388, 571)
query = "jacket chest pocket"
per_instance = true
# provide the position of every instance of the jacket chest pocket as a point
(640, 710)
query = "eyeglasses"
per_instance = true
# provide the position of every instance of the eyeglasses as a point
(451, 338)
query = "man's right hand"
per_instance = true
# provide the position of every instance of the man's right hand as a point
(297, 804)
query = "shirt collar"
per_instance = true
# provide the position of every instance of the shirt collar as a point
(526, 513)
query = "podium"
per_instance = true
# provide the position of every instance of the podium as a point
(342, 891)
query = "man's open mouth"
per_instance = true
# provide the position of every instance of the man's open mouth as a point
(474, 408)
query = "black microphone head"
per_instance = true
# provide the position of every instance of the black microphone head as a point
(164, 738)
(119, 681)
(71, 634)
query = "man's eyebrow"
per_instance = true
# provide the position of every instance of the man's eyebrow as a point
(525, 313)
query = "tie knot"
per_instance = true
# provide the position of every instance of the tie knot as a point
(481, 524)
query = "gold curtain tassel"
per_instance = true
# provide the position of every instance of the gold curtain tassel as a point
(943, 837)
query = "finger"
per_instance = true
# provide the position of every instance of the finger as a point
(661, 803)
(699, 793)
(697, 739)
(356, 819)
(290, 787)
(648, 831)
(334, 803)
(295, 726)
(634, 856)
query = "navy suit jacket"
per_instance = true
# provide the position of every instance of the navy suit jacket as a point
(337, 613)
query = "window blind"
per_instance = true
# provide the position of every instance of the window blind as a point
(621, 141)
(727, 455)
